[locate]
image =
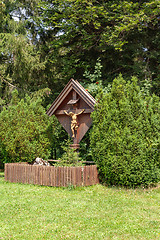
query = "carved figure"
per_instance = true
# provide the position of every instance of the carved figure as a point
(74, 123)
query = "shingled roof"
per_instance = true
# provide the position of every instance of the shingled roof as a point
(77, 87)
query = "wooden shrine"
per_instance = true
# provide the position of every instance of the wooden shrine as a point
(73, 107)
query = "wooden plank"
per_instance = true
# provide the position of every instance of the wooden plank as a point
(47, 176)
(52, 173)
(20, 175)
(61, 112)
(79, 176)
(97, 178)
(8, 172)
(52, 160)
(92, 175)
(22, 169)
(52, 176)
(68, 175)
(50, 169)
(43, 175)
(34, 174)
(27, 174)
(23, 174)
(86, 175)
(10, 175)
(37, 175)
(20, 172)
(72, 176)
(56, 176)
(13, 175)
(59, 176)
(62, 177)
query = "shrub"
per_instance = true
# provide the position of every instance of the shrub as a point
(24, 130)
(125, 138)
(70, 156)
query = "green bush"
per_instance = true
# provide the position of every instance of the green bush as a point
(125, 139)
(70, 157)
(24, 130)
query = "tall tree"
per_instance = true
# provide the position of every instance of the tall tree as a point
(45, 43)
(124, 34)
(21, 65)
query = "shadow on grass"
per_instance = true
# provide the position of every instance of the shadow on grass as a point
(1, 174)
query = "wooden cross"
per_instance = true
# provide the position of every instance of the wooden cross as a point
(73, 108)
(74, 124)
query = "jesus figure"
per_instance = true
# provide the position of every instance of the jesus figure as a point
(74, 123)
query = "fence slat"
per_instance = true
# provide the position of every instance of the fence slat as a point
(50, 175)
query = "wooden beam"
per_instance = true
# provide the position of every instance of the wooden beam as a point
(74, 95)
(60, 112)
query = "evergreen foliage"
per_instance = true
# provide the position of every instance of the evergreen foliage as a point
(25, 130)
(45, 43)
(123, 34)
(21, 65)
(125, 138)
(70, 156)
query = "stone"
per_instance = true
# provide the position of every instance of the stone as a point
(41, 162)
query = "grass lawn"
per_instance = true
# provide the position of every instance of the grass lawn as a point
(34, 212)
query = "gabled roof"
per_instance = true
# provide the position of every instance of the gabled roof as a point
(77, 87)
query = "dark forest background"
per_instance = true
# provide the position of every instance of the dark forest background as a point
(45, 43)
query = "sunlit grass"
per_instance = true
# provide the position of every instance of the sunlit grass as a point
(34, 212)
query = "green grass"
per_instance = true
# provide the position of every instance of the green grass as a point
(34, 212)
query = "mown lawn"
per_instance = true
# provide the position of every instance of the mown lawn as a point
(34, 212)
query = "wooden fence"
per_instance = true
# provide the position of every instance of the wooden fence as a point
(50, 175)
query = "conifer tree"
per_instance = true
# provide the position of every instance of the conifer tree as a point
(125, 138)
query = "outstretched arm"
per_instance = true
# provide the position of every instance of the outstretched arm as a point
(66, 112)
(80, 112)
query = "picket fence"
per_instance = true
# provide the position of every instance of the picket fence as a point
(51, 176)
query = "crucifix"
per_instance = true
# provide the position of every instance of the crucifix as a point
(73, 108)
(74, 122)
